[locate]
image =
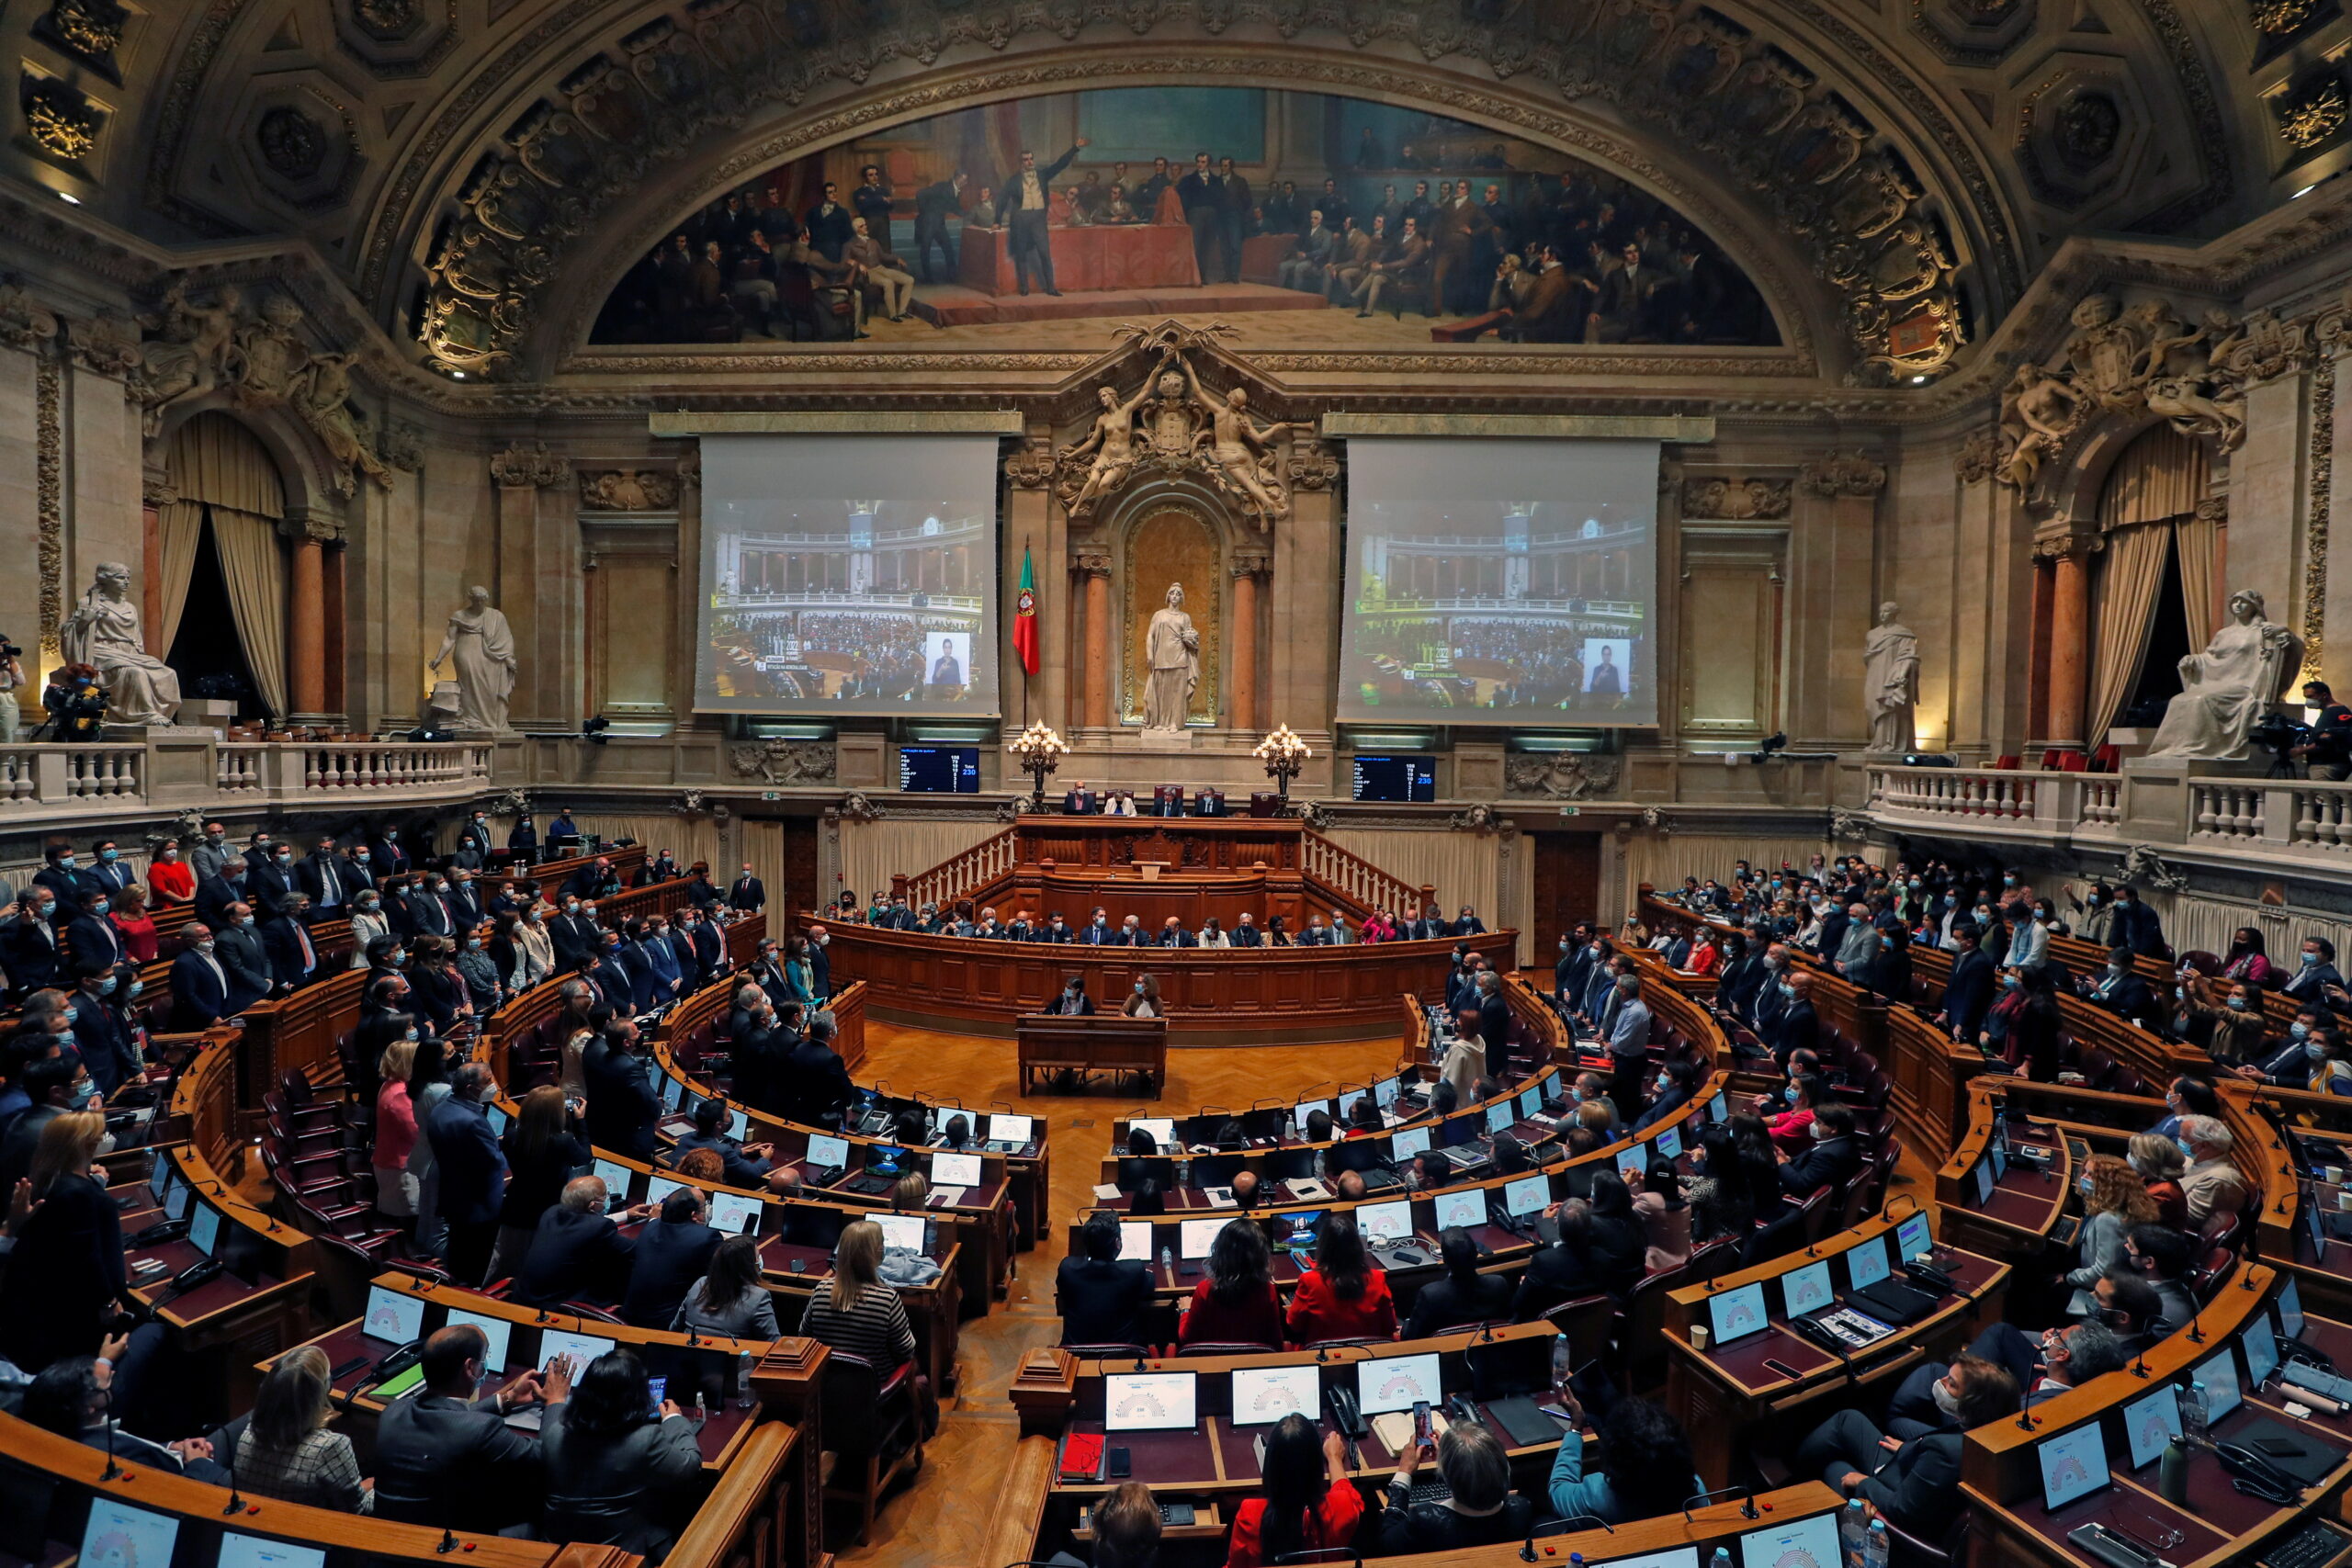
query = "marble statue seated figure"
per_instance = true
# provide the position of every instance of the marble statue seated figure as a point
(2226, 689)
(104, 633)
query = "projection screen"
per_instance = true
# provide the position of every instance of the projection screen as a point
(1501, 581)
(848, 574)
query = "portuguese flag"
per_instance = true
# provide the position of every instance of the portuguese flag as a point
(1024, 615)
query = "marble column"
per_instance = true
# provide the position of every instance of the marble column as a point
(1249, 713)
(1306, 557)
(306, 624)
(1095, 652)
(536, 499)
(2070, 629)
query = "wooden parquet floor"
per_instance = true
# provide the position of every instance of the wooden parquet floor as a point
(940, 1517)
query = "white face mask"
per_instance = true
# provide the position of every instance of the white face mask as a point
(1946, 1401)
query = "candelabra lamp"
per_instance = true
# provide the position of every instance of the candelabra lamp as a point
(1284, 755)
(1041, 751)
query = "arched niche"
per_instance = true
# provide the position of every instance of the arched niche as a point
(1173, 532)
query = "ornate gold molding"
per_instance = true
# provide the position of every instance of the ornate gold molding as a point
(1032, 466)
(25, 322)
(529, 466)
(312, 525)
(49, 471)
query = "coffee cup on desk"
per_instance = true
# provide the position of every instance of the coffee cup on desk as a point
(2335, 1173)
(2344, 1197)
(1698, 1335)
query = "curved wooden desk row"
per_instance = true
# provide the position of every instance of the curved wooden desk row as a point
(1230, 996)
(1930, 1070)
(1022, 1177)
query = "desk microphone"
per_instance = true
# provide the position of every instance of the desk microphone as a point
(2196, 1331)
(236, 1503)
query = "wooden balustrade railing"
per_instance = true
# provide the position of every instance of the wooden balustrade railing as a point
(959, 875)
(1350, 879)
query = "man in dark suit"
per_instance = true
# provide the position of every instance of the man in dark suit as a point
(1174, 934)
(293, 962)
(746, 1165)
(672, 1251)
(747, 892)
(577, 1254)
(1025, 204)
(1316, 933)
(816, 1083)
(473, 841)
(29, 945)
(1102, 1297)
(464, 901)
(821, 965)
(2138, 925)
(215, 893)
(588, 880)
(575, 936)
(828, 223)
(1795, 1027)
(199, 984)
(681, 936)
(330, 881)
(1968, 994)
(1245, 932)
(1431, 927)
(622, 1106)
(649, 947)
(934, 205)
(1494, 1016)
(386, 854)
(100, 1034)
(1833, 931)
(1918, 1486)
(1204, 212)
(1080, 801)
(2121, 989)
(66, 882)
(611, 975)
(428, 911)
(90, 937)
(111, 871)
(239, 948)
(1233, 207)
(1054, 930)
(472, 1170)
(1099, 932)
(1833, 1157)
(449, 1460)
(269, 884)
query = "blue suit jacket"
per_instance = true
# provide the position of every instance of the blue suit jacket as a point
(472, 1166)
(199, 997)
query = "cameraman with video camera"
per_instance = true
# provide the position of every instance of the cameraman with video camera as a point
(2328, 745)
(75, 700)
(12, 675)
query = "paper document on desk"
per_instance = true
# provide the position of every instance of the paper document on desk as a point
(1106, 1191)
(1219, 1197)
(947, 1197)
(1394, 1430)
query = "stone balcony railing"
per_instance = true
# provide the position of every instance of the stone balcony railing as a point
(2291, 823)
(48, 783)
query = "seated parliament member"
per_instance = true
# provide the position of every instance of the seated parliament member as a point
(1236, 1304)
(672, 1251)
(615, 1477)
(1345, 1296)
(1645, 1468)
(1915, 1484)
(1308, 1503)
(1480, 1508)
(1464, 1295)
(1101, 1296)
(447, 1458)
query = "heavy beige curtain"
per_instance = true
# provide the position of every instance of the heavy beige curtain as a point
(688, 839)
(1463, 867)
(1663, 860)
(180, 526)
(217, 464)
(872, 851)
(2127, 614)
(2201, 552)
(764, 847)
(253, 564)
(2161, 474)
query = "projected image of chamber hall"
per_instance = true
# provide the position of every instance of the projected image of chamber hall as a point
(853, 602)
(1468, 597)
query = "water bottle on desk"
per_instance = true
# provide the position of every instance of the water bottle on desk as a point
(2193, 1412)
(1722, 1559)
(1878, 1546)
(1853, 1530)
(1167, 1263)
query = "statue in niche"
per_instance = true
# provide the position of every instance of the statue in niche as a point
(104, 633)
(484, 645)
(1173, 648)
(1891, 681)
(2226, 689)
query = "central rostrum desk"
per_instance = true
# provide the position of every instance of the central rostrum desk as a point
(1097, 1042)
(2002, 1465)
(1212, 996)
(1214, 1464)
(1777, 1376)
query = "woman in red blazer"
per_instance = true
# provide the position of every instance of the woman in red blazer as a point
(1309, 1504)
(1344, 1297)
(1236, 1304)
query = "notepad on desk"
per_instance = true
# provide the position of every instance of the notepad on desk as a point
(1106, 1191)
(947, 1197)
(1394, 1430)
(1219, 1197)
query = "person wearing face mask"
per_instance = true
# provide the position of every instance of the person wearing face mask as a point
(1098, 930)
(1917, 1486)
(2028, 940)
(1968, 992)
(1796, 1026)
(2238, 1030)
(387, 856)
(2100, 921)
(199, 984)
(1888, 973)
(101, 1032)
(463, 900)
(90, 937)
(28, 945)
(747, 892)
(484, 988)
(572, 935)
(2044, 1365)
(1568, 969)
(170, 879)
(428, 907)
(293, 960)
(820, 963)
(1072, 1001)
(2159, 1256)
(469, 1171)
(2315, 972)
(2212, 1183)
(2119, 990)
(215, 893)
(1143, 1000)
(212, 851)
(271, 885)
(1671, 1091)
(2045, 915)
(817, 1080)
(2115, 1201)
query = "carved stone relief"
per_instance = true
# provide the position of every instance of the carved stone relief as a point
(1170, 426)
(627, 489)
(1740, 499)
(780, 762)
(1559, 775)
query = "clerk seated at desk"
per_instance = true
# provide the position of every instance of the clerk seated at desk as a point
(1915, 1485)
(1073, 1001)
